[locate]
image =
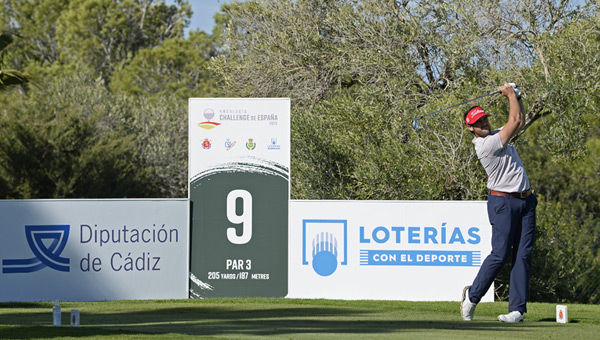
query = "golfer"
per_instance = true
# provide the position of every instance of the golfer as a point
(511, 209)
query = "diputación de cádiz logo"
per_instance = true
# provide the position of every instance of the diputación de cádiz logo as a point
(47, 242)
(324, 244)
(208, 115)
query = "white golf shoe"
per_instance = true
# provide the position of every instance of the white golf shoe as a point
(467, 308)
(511, 317)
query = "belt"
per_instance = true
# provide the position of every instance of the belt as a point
(511, 194)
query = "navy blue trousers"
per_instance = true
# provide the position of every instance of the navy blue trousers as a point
(513, 233)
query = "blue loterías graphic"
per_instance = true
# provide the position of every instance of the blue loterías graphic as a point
(325, 254)
(324, 250)
(47, 242)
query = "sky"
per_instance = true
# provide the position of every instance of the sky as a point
(204, 10)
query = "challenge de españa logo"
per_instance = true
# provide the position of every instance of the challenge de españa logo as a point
(47, 242)
(208, 115)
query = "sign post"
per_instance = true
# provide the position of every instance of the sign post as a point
(239, 159)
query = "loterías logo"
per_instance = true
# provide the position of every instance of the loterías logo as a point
(324, 244)
(325, 254)
(47, 242)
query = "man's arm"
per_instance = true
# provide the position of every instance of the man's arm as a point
(515, 114)
(522, 113)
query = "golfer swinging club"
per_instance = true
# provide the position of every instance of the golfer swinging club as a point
(511, 209)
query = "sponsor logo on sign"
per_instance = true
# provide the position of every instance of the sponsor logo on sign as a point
(396, 238)
(229, 144)
(208, 125)
(324, 245)
(251, 145)
(273, 145)
(206, 144)
(46, 242)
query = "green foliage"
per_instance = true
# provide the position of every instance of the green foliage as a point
(350, 148)
(35, 22)
(176, 67)
(106, 33)
(62, 36)
(60, 142)
(159, 128)
(567, 264)
(133, 137)
(574, 90)
(9, 77)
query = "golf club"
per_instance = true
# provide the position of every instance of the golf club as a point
(416, 120)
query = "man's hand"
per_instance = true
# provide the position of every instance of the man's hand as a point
(507, 90)
(517, 89)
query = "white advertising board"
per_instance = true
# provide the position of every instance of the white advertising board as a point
(92, 250)
(386, 250)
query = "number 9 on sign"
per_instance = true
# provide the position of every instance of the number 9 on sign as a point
(245, 219)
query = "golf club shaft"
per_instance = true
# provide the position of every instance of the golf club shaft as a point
(466, 101)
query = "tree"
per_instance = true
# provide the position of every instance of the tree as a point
(69, 46)
(60, 36)
(159, 129)
(9, 77)
(60, 141)
(105, 34)
(35, 22)
(176, 67)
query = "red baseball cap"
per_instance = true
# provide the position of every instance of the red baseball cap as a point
(474, 114)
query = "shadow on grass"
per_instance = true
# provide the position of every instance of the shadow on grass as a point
(41, 332)
(222, 321)
(24, 305)
(554, 320)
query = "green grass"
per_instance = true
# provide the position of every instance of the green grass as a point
(258, 318)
